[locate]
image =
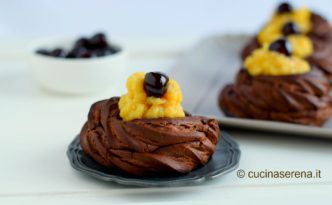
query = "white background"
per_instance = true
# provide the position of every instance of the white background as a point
(138, 18)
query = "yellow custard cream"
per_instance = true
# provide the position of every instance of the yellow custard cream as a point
(136, 104)
(302, 45)
(265, 62)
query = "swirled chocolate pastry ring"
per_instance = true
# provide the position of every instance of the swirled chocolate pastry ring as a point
(147, 147)
(321, 37)
(225, 159)
(303, 98)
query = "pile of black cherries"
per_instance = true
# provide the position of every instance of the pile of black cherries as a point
(96, 46)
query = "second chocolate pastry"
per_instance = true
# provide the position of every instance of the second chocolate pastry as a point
(274, 85)
(299, 26)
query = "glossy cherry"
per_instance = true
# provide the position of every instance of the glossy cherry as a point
(282, 46)
(290, 28)
(98, 41)
(58, 52)
(285, 8)
(155, 84)
(81, 42)
(43, 52)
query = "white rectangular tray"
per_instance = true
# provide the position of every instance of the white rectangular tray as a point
(206, 68)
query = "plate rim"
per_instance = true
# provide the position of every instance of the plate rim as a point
(274, 126)
(233, 165)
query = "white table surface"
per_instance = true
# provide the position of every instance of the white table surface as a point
(37, 126)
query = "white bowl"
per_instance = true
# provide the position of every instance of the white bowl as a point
(75, 76)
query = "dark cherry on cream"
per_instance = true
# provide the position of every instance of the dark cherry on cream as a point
(281, 46)
(155, 84)
(284, 8)
(290, 28)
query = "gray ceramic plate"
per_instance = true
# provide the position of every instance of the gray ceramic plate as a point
(225, 159)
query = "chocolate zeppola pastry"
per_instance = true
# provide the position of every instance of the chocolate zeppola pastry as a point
(309, 33)
(146, 132)
(273, 85)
